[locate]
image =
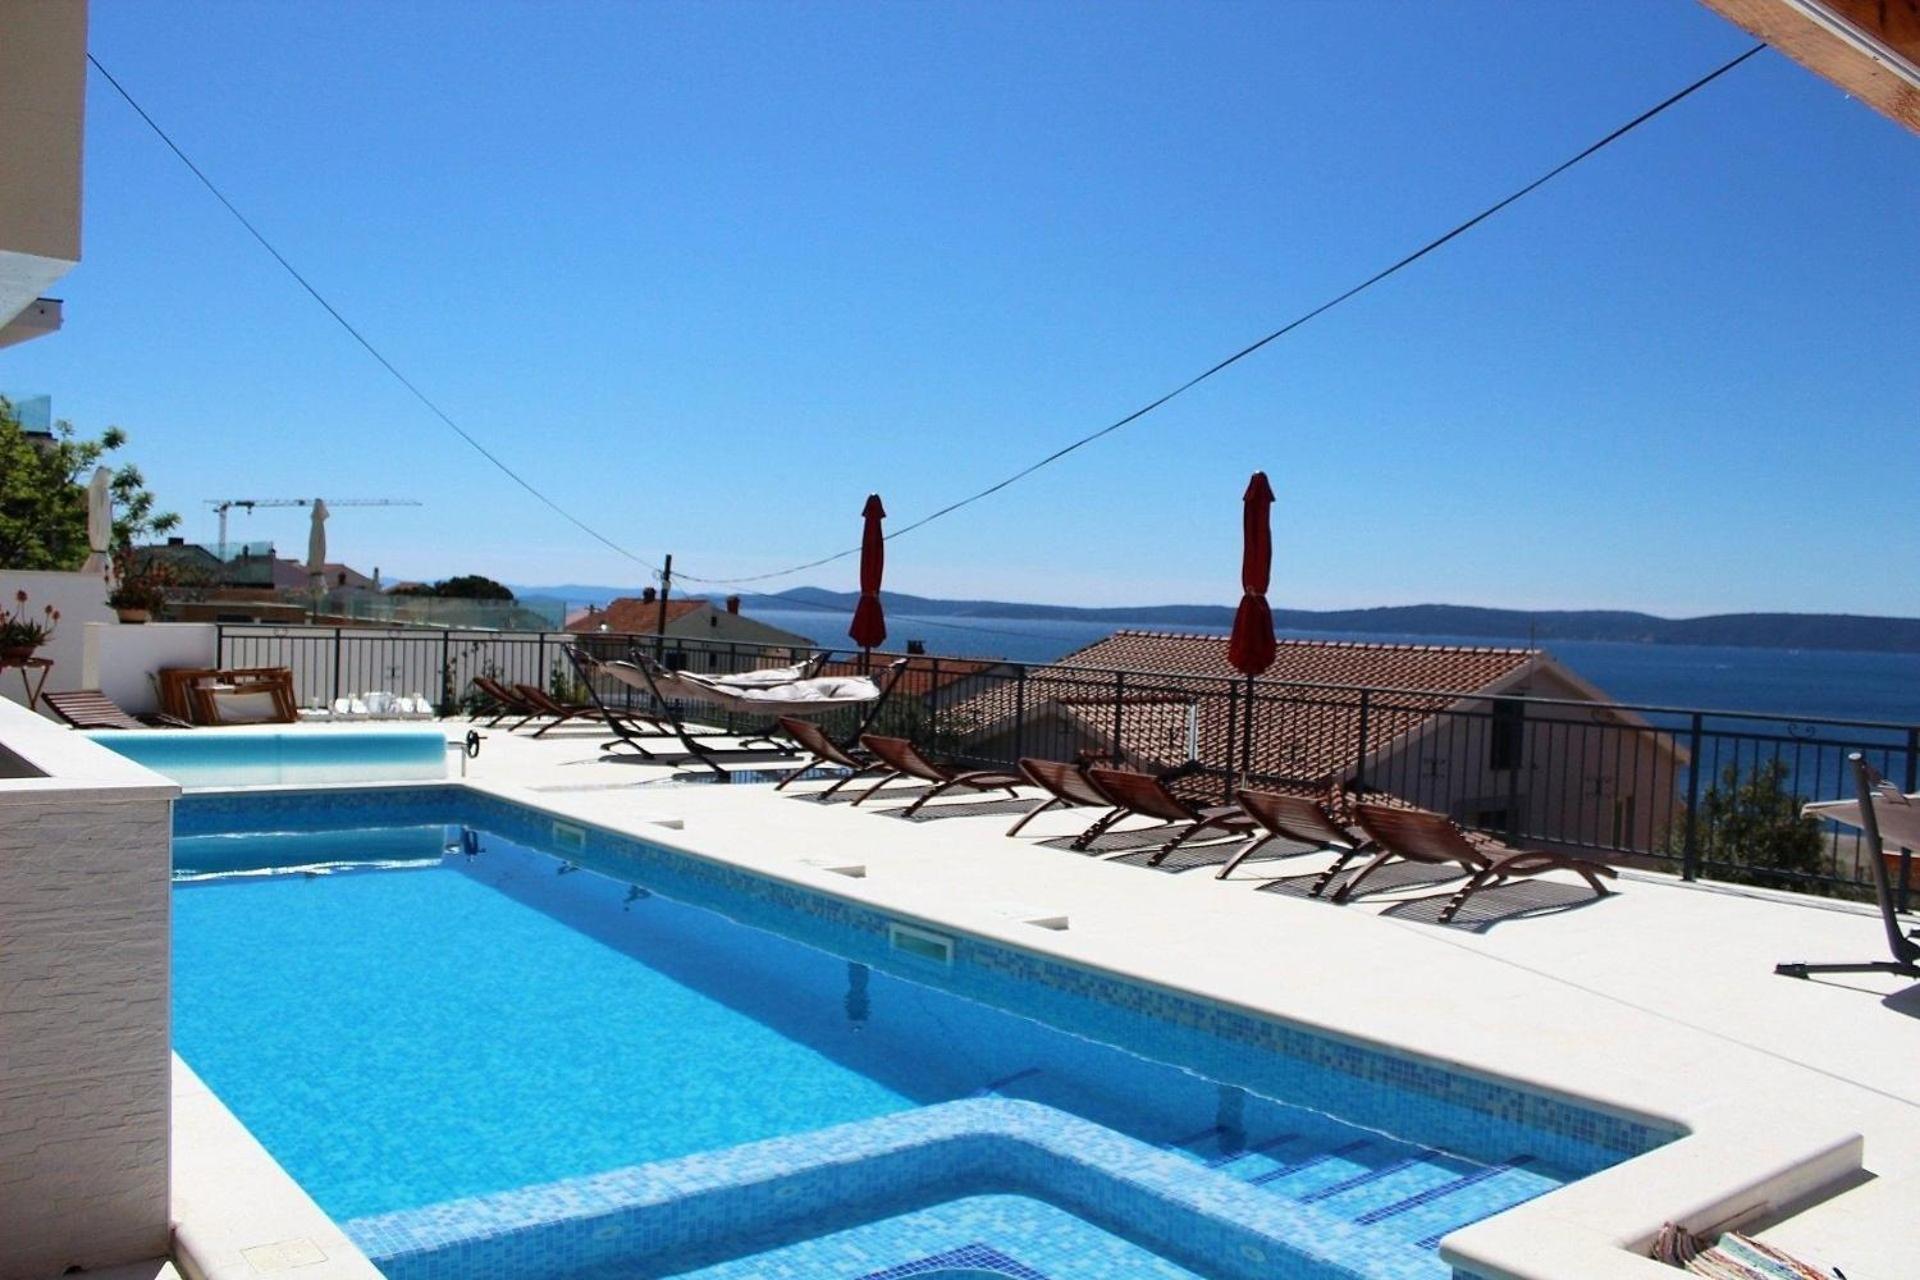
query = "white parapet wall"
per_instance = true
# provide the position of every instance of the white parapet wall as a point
(81, 599)
(85, 841)
(121, 660)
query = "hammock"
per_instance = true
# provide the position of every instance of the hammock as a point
(802, 698)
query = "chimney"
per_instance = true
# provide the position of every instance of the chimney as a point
(649, 596)
(176, 542)
(733, 604)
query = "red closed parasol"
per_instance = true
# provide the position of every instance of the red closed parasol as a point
(1251, 647)
(869, 629)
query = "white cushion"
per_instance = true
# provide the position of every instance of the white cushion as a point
(233, 707)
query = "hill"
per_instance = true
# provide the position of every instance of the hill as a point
(1740, 630)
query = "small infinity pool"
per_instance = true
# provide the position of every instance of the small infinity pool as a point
(490, 1041)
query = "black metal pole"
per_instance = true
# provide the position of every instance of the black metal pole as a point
(660, 629)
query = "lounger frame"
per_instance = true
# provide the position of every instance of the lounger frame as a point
(627, 734)
(901, 759)
(1906, 951)
(845, 753)
(1415, 835)
(1148, 795)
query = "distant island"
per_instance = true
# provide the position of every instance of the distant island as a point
(1452, 621)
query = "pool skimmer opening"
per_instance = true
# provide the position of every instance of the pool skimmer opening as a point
(921, 944)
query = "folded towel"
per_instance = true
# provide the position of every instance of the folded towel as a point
(1731, 1257)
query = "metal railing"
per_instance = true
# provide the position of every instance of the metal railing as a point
(1712, 794)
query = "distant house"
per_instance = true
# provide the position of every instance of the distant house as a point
(687, 618)
(1439, 725)
(292, 575)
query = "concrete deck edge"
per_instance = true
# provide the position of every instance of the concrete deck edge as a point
(236, 1213)
(1733, 1164)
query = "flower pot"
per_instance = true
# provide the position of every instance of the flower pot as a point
(135, 615)
(17, 653)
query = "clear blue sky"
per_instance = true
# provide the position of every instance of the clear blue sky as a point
(709, 273)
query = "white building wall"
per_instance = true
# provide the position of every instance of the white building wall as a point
(43, 94)
(84, 1063)
(81, 599)
(122, 660)
(716, 624)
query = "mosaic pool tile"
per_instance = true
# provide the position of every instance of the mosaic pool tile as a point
(1448, 1106)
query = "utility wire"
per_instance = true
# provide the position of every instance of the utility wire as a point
(1058, 454)
(1281, 332)
(355, 333)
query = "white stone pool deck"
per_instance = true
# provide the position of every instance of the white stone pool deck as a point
(1659, 1000)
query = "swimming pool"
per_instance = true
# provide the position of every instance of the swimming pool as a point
(494, 1042)
(236, 757)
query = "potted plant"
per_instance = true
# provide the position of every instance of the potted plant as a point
(22, 631)
(140, 586)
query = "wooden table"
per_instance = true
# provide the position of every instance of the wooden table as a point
(31, 686)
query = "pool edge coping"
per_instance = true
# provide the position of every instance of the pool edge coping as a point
(1603, 1221)
(236, 1212)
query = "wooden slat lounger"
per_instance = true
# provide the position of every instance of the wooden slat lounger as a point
(92, 709)
(847, 752)
(1067, 787)
(506, 703)
(559, 713)
(1150, 797)
(1415, 835)
(901, 759)
(1302, 820)
(811, 737)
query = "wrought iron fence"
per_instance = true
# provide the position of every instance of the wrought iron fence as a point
(1703, 793)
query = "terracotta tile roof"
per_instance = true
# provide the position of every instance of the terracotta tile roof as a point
(630, 615)
(1179, 698)
(1451, 668)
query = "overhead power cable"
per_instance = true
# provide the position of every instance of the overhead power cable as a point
(1374, 279)
(353, 332)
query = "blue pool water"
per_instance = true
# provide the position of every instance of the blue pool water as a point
(945, 1243)
(198, 758)
(421, 1037)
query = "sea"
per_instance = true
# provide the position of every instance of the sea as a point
(1803, 683)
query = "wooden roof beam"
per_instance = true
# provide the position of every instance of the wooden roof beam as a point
(1869, 48)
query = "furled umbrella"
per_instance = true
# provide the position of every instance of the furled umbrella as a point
(317, 548)
(869, 629)
(1251, 647)
(99, 521)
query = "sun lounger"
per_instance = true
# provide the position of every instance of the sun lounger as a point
(92, 709)
(506, 703)
(664, 719)
(812, 738)
(901, 759)
(1891, 822)
(1150, 797)
(1415, 835)
(1067, 787)
(811, 696)
(557, 713)
(846, 753)
(768, 677)
(1301, 819)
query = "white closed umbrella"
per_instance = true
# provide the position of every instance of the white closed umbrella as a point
(99, 521)
(317, 548)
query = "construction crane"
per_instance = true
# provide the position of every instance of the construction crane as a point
(223, 505)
